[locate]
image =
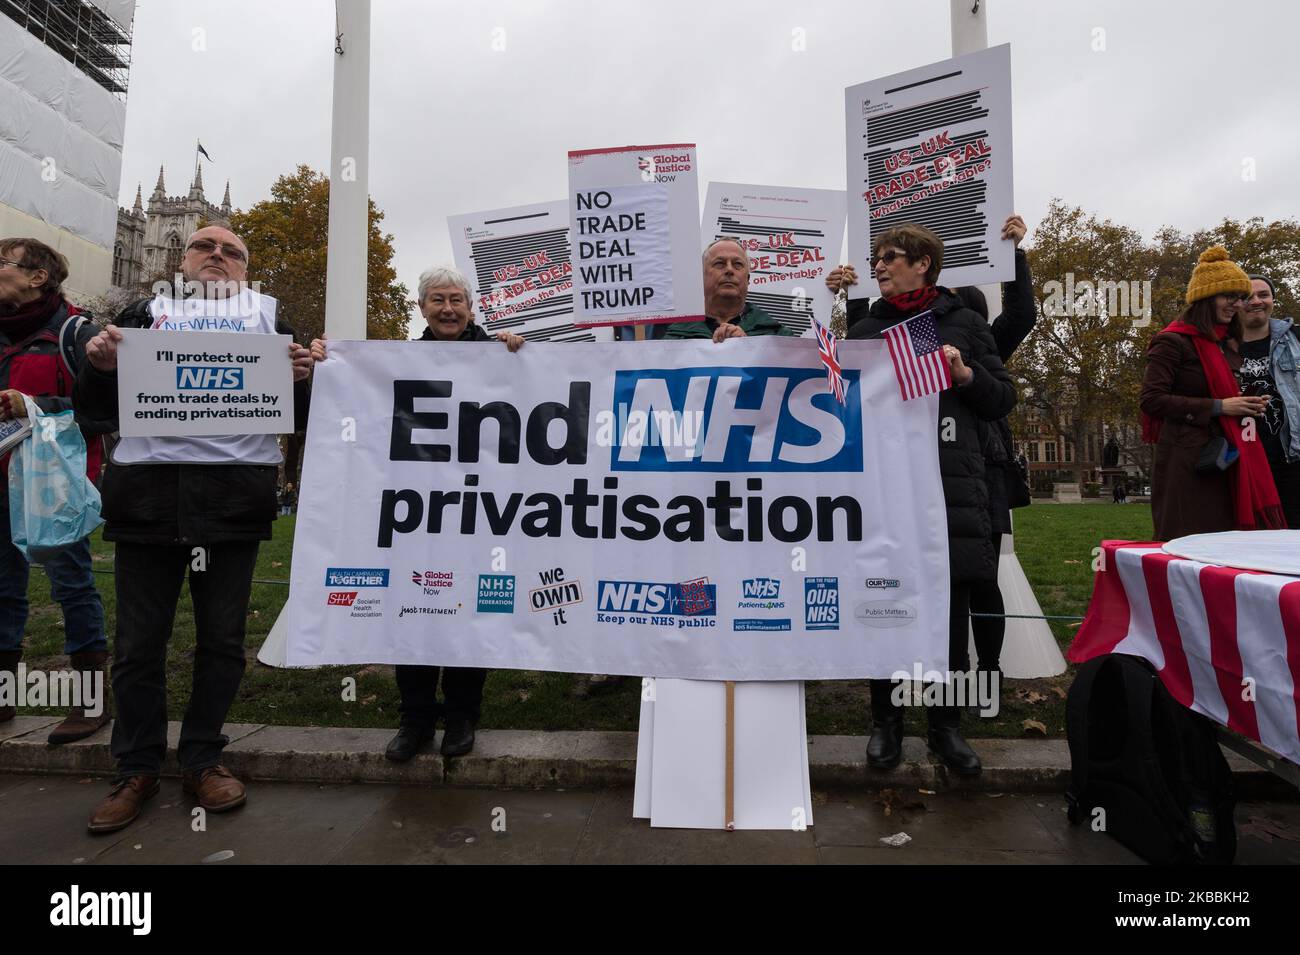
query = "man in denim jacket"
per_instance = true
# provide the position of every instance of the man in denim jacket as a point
(1270, 354)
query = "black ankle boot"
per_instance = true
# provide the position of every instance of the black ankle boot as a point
(946, 742)
(885, 748)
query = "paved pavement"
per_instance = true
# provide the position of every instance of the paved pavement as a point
(42, 820)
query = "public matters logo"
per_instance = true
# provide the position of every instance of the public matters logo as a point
(554, 594)
(711, 416)
(433, 582)
(690, 603)
(209, 378)
(496, 593)
(821, 603)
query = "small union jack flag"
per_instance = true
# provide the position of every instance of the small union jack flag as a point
(917, 353)
(828, 348)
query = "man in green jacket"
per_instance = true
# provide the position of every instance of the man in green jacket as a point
(726, 283)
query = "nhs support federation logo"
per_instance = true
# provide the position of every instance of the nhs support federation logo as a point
(720, 419)
(821, 603)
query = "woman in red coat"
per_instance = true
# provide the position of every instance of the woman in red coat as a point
(1192, 408)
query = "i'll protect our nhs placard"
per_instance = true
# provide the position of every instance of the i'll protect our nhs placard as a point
(203, 383)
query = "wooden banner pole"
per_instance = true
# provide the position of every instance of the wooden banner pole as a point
(730, 810)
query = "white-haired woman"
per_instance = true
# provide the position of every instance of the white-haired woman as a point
(447, 305)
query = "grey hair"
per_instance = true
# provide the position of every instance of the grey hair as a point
(438, 275)
(704, 257)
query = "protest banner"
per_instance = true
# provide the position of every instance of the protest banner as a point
(518, 263)
(203, 383)
(793, 237)
(933, 146)
(679, 509)
(635, 212)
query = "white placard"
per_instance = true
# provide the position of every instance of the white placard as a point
(203, 383)
(514, 510)
(932, 146)
(793, 237)
(635, 213)
(518, 263)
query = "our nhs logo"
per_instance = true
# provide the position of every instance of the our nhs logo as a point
(720, 419)
(209, 378)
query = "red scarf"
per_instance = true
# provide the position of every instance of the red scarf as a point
(914, 302)
(16, 324)
(1254, 495)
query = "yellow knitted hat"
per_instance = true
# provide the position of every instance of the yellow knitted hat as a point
(1215, 274)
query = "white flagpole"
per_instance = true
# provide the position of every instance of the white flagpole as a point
(345, 274)
(349, 221)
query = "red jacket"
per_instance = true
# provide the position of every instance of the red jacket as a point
(40, 366)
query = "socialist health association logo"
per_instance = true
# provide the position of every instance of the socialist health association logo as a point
(821, 603)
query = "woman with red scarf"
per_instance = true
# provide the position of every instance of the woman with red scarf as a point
(906, 261)
(1210, 475)
(42, 341)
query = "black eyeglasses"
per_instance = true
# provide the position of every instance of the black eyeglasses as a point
(17, 265)
(889, 257)
(207, 247)
(1235, 297)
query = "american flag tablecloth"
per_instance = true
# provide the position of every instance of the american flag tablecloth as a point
(1225, 642)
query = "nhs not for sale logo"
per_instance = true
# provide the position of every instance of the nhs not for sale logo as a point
(720, 419)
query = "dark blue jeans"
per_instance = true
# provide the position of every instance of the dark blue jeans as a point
(149, 581)
(72, 585)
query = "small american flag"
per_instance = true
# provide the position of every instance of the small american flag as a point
(918, 358)
(826, 347)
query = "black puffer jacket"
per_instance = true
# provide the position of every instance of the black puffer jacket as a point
(179, 504)
(989, 396)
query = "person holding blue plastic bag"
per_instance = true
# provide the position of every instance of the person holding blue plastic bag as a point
(42, 344)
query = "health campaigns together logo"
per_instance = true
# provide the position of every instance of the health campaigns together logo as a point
(355, 577)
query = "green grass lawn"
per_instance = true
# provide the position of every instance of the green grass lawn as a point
(1054, 543)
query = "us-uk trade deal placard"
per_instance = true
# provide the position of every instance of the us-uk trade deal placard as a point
(680, 509)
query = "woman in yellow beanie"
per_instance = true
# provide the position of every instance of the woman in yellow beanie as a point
(1207, 476)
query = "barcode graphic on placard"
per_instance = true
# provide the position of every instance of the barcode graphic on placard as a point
(927, 190)
(504, 269)
(792, 311)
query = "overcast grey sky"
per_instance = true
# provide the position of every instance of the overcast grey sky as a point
(1150, 131)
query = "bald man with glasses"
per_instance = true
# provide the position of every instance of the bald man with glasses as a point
(178, 505)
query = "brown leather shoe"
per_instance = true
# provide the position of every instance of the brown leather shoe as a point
(78, 725)
(216, 788)
(119, 808)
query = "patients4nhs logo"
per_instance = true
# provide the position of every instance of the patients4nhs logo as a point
(821, 603)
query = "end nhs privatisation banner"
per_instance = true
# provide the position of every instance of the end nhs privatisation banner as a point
(679, 509)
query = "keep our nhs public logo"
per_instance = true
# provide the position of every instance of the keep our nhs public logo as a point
(209, 378)
(718, 419)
